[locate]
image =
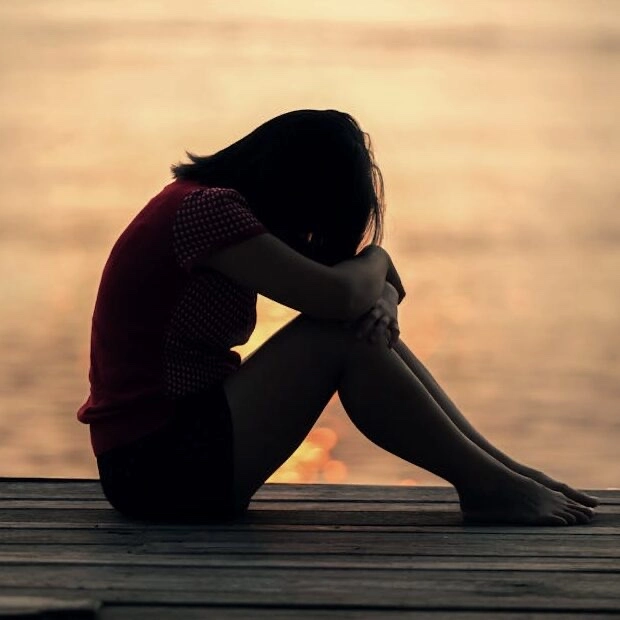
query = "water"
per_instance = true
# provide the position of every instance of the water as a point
(497, 131)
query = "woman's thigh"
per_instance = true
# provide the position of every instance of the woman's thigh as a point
(278, 393)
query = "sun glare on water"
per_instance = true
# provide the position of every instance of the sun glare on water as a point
(312, 461)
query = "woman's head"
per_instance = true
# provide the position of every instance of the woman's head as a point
(309, 176)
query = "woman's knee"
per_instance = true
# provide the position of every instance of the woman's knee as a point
(340, 333)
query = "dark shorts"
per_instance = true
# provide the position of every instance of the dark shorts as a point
(181, 472)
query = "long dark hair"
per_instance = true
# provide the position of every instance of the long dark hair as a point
(310, 178)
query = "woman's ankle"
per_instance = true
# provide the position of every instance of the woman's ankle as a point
(484, 482)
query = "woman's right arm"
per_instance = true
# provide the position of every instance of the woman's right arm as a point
(270, 267)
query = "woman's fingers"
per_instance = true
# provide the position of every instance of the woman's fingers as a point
(378, 323)
(381, 328)
(367, 323)
(394, 333)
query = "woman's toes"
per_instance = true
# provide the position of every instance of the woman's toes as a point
(580, 516)
(568, 516)
(578, 496)
(567, 491)
(588, 513)
(554, 519)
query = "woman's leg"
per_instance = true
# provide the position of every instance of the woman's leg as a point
(279, 392)
(435, 390)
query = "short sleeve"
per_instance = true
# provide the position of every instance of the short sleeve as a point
(210, 219)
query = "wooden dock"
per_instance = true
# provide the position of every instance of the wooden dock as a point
(303, 551)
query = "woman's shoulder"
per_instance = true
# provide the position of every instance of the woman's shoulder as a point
(190, 190)
(180, 189)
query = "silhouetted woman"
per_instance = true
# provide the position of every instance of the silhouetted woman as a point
(182, 429)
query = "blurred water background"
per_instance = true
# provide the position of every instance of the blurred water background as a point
(496, 126)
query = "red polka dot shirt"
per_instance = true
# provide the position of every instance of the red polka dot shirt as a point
(161, 328)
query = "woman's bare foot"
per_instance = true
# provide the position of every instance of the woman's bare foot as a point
(519, 500)
(554, 485)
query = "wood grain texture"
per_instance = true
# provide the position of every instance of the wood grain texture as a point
(308, 551)
(226, 613)
(84, 489)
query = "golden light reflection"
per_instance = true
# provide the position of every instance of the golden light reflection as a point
(271, 317)
(312, 461)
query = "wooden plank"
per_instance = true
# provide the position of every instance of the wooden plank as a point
(51, 488)
(336, 505)
(35, 488)
(203, 540)
(333, 506)
(23, 607)
(116, 523)
(53, 503)
(416, 515)
(380, 493)
(437, 516)
(55, 488)
(119, 612)
(104, 555)
(124, 528)
(62, 513)
(352, 589)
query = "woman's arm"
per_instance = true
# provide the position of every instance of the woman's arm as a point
(382, 320)
(394, 279)
(273, 269)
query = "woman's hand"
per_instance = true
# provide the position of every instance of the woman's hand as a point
(381, 321)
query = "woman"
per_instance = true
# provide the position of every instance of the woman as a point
(181, 429)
